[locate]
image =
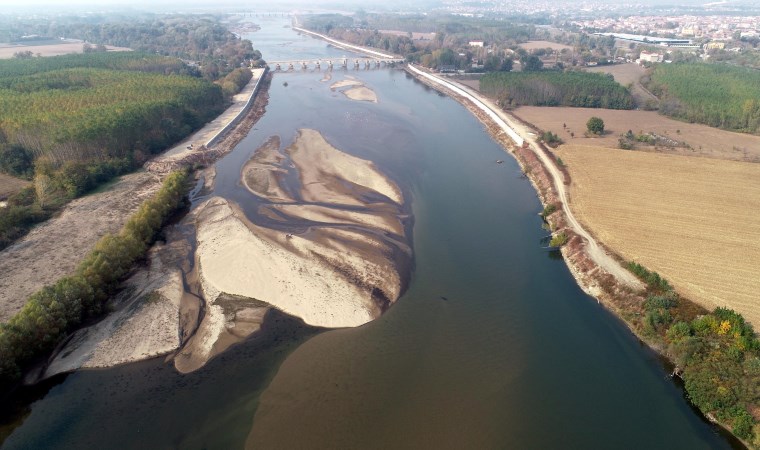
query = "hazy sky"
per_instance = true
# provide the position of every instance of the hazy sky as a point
(180, 5)
(253, 4)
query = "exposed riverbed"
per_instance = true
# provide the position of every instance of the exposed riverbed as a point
(493, 345)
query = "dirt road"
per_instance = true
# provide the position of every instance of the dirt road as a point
(520, 134)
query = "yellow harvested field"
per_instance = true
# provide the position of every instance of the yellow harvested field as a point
(535, 45)
(8, 50)
(10, 185)
(704, 141)
(696, 221)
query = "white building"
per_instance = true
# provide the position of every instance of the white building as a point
(646, 56)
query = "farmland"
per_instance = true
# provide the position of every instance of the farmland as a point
(702, 140)
(8, 50)
(535, 45)
(693, 220)
(629, 74)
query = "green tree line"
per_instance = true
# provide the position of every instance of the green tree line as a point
(718, 95)
(53, 312)
(570, 88)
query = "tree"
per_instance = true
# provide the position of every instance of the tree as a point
(42, 185)
(26, 54)
(532, 64)
(595, 125)
(15, 160)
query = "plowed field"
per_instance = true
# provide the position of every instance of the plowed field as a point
(694, 220)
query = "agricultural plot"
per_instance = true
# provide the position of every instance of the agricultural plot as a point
(693, 220)
(701, 139)
(535, 45)
(8, 50)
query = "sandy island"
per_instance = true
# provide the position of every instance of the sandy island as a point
(343, 270)
(356, 90)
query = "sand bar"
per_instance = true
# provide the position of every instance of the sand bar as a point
(361, 93)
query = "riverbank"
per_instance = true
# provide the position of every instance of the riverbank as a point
(499, 123)
(627, 301)
(153, 307)
(592, 275)
(53, 249)
(346, 46)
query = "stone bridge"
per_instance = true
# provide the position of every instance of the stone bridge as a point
(344, 62)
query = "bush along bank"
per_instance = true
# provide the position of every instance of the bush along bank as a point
(716, 354)
(51, 313)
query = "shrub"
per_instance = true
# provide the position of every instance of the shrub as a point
(678, 331)
(558, 240)
(551, 139)
(549, 210)
(743, 423)
(625, 144)
(653, 280)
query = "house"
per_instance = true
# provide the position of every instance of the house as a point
(715, 45)
(477, 43)
(647, 56)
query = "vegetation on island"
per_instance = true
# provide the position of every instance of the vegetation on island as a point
(717, 354)
(53, 312)
(551, 88)
(70, 123)
(719, 95)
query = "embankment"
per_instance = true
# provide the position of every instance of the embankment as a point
(653, 312)
(152, 298)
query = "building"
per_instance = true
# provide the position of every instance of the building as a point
(653, 57)
(715, 45)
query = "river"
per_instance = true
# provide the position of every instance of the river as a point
(492, 346)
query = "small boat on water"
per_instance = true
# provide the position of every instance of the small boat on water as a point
(499, 161)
